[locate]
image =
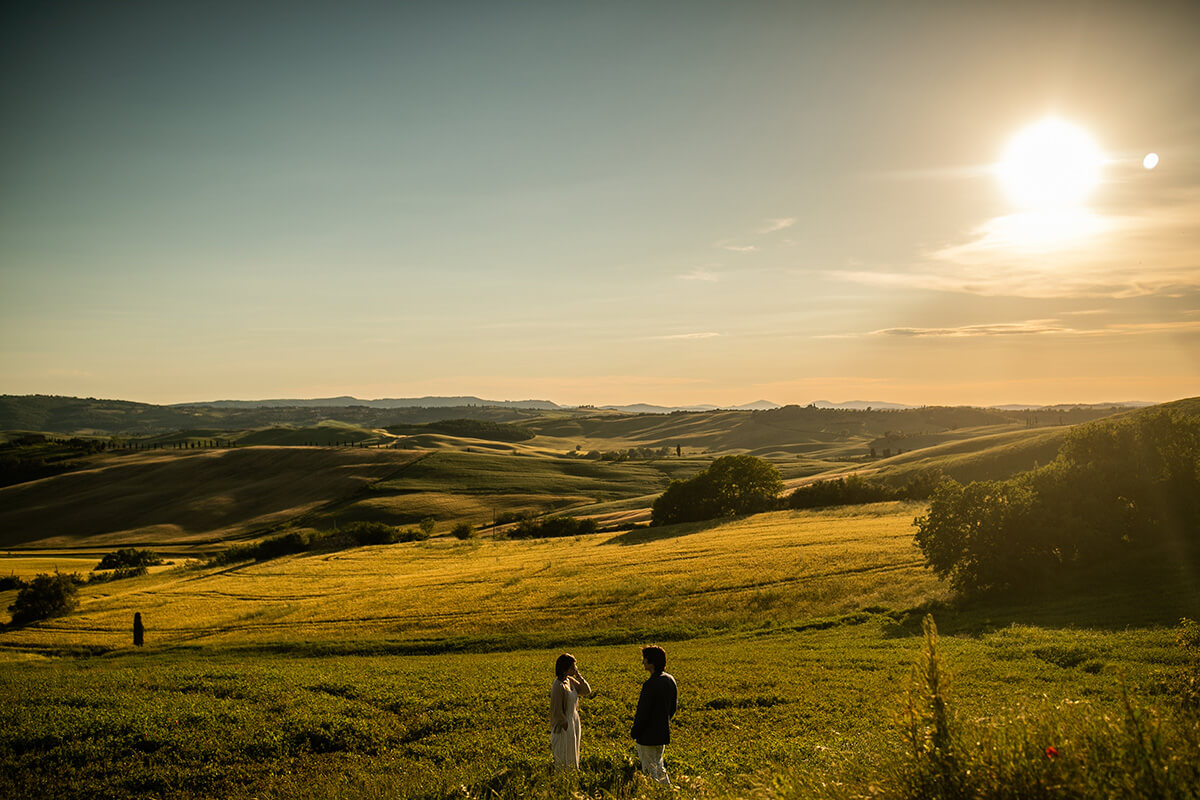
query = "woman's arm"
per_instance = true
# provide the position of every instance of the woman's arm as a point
(558, 707)
(581, 685)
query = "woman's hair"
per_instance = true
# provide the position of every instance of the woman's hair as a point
(563, 665)
(656, 656)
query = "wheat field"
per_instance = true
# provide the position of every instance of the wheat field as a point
(767, 568)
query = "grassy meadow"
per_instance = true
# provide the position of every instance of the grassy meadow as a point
(673, 582)
(422, 669)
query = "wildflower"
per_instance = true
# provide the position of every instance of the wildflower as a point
(1051, 751)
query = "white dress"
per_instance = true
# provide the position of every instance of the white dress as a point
(565, 743)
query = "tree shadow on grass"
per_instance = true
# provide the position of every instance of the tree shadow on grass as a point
(1144, 597)
(644, 535)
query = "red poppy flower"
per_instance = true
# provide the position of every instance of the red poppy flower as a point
(1051, 751)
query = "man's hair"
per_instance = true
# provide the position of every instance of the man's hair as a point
(563, 665)
(656, 656)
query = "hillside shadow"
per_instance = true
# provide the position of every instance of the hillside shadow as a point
(1144, 599)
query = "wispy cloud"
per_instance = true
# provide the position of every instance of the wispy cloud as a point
(726, 244)
(1153, 252)
(705, 335)
(770, 225)
(1031, 327)
(1036, 327)
(777, 224)
(1133, 328)
(699, 274)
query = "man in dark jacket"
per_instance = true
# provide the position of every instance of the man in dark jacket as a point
(656, 706)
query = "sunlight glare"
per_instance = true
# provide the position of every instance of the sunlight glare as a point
(1150, 161)
(1052, 164)
(1044, 229)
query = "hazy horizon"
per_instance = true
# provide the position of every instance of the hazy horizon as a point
(663, 203)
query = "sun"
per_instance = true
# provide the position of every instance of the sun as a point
(1050, 165)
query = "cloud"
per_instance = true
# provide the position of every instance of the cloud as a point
(725, 244)
(1037, 327)
(777, 224)
(1133, 328)
(1155, 251)
(699, 274)
(705, 335)
(1031, 327)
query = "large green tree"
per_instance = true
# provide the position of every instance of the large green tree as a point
(731, 485)
(1120, 492)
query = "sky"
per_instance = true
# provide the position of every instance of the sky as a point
(659, 202)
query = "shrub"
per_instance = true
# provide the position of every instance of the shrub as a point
(45, 596)
(9, 582)
(116, 574)
(427, 525)
(851, 490)
(368, 533)
(129, 557)
(553, 527)
(273, 547)
(412, 535)
(463, 530)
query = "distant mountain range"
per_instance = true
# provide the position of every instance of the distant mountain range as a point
(346, 401)
(91, 416)
(397, 402)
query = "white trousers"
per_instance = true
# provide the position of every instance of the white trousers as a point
(652, 762)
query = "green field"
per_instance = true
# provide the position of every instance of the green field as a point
(422, 669)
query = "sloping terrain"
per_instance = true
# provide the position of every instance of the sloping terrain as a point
(164, 497)
(787, 564)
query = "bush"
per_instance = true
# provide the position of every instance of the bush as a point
(44, 597)
(731, 485)
(368, 533)
(116, 574)
(463, 530)
(553, 527)
(852, 490)
(273, 547)
(9, 582)
(129, 557)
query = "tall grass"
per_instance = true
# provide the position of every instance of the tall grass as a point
(1066, 749)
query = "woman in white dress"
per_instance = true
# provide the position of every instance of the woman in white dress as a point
(565, 692)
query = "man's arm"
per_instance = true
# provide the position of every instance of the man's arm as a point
(642, 715)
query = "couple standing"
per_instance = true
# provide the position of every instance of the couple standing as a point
(651, 722)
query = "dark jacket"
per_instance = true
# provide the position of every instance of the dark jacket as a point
(656, 706)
